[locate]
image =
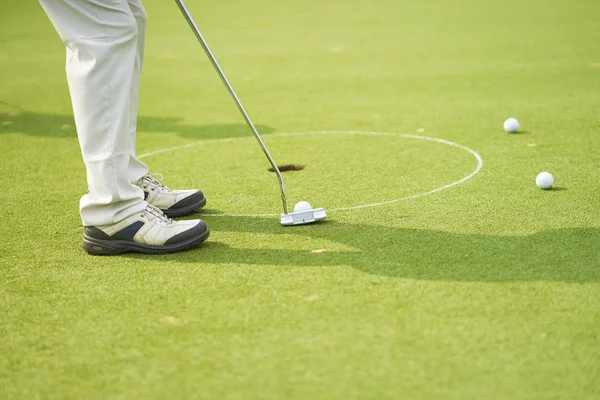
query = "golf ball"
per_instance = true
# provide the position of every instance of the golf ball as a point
(544, 180)
(302, 206)
(511, 125)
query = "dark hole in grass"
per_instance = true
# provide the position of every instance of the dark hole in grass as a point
(288, 167)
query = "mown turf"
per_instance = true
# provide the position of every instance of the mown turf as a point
(487, 290)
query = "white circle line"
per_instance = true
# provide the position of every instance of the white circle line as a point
(410, 136)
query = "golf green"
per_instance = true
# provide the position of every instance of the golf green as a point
(441, 272)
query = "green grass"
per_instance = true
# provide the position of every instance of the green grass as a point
(487, 290)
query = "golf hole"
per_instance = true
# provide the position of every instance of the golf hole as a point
(287, 168)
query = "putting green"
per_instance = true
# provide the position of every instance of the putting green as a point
(476, 285)
(369, 169)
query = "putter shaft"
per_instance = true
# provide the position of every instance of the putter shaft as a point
(215, 64)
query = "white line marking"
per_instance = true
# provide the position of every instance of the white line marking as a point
(408, 136)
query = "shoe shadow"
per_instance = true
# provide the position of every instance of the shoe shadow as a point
(566, 255)
(63, 126)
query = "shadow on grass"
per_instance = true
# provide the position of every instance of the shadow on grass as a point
(55, 125)
(567, 255)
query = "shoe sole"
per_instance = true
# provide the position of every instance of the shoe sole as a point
(180, 212)
(99, 247)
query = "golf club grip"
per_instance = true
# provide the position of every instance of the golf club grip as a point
(213, 60)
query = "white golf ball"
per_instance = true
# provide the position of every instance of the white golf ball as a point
(302, 206)
(511, 125)
(544, 180)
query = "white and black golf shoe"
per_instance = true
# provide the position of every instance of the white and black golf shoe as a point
(149, 231)
(174, 203)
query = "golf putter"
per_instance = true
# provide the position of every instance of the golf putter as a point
(295, 218)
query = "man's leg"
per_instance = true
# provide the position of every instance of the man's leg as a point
(101, 39)
(174, 203)
(137, 169)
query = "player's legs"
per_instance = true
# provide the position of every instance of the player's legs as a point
(104, 58)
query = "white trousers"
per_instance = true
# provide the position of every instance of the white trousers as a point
(105, 50)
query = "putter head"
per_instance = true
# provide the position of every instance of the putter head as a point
(303, 217)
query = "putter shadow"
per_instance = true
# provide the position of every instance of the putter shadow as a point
(63, 126)
(413, 253)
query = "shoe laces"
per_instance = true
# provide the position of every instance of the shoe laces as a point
(154, 181)
(153, 212)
